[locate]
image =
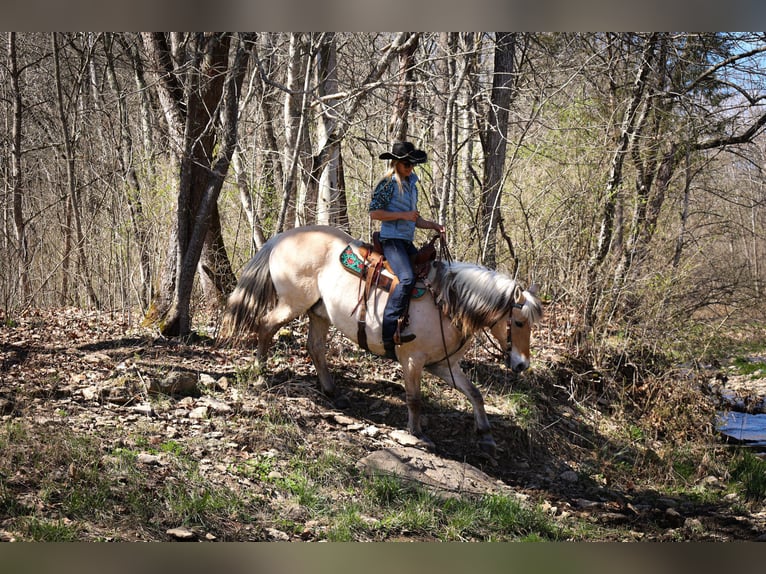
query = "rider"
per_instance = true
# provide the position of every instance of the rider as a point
(395, 204)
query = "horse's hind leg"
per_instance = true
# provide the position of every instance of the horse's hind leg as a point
(319, 325)
(267, 328)
(460, 381)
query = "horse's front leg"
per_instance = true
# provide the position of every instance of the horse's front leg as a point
(458, 378)
(319, 325)
(413, 372)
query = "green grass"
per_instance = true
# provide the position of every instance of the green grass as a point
(41, 530)
(750, 473)
(75, 480)
(746, 366)
(57, 485)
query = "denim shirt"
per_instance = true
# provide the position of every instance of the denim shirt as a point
(387, 197)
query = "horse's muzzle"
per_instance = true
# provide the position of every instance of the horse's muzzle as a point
(517, 366)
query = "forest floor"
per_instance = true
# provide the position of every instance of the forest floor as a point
(100, 440)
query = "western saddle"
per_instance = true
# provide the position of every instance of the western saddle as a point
(368, 262)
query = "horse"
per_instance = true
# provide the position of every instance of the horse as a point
(299, 272)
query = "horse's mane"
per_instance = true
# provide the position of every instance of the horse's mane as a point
(475, 297)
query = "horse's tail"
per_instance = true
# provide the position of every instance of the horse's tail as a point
(254, 296)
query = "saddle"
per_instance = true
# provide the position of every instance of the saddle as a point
(366, 260)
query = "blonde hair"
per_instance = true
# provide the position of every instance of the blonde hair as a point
(392, 173)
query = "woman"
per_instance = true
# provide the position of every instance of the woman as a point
(395, 204)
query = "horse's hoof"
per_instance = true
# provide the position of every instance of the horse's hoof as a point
(487, 445)
(424, 442)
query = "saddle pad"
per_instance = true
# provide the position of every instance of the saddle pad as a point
(357, 266)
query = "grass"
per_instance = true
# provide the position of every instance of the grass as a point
(49, 482)
(750, 473)
(68, 487)
(747, 366)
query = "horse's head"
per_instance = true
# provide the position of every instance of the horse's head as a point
(513, 331)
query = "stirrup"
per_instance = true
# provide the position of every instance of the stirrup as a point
(400, 338)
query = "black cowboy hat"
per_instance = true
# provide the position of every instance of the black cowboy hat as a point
(405, 151)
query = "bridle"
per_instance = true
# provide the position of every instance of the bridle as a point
(510, 323)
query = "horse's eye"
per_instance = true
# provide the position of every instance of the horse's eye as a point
(519, 323)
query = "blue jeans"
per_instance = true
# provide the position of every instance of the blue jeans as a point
(397, 252)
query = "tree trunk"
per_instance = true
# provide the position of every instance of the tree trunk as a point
(614, 181)
(328, 206)
(71, 179)
(398, 129)
(19, 223)
(295, 119)
(494, 143)
(132, 186)
(199, 88)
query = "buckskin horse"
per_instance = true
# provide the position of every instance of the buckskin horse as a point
(300, 271)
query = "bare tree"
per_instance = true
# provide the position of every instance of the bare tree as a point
(199, 82)
(494, 140)
(127, 164)
(19, 222)
(68, 137)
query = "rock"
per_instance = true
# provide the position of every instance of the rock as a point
(444, 476)
(206, 380)
(143, 409)
(214, 405)
(121, 390)
(712, 482)
(275, 534)
(96, 358)
(183, 534)
(182, 383)
(569, 476)
(199, 413)
(149, 459)
(344, 420)
(404, 438)
(90, 393)
(674, 517)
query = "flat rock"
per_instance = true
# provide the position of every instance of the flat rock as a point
(447, 477)
(199, 413)
(149, 459)
(182, 534)
(404, 438)
(215, 405)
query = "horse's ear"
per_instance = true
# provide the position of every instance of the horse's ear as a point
(533, 289)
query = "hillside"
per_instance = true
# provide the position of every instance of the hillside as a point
(101, 440)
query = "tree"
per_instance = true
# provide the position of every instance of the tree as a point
(199, 82)
(17, 191)
(494, 140)
(127, 163)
